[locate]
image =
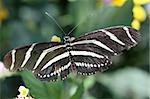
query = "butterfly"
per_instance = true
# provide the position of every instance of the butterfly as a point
(85, 55)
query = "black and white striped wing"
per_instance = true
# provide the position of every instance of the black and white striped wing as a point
(88, 54)
(36, 57)
(97, 47)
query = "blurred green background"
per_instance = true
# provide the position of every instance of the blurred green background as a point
(25, 23)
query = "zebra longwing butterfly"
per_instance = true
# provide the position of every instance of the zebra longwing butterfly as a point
(86, 55)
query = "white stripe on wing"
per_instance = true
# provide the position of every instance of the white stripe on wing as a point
(129, 35)
(113, 37)
(98, 43)
(73, 53)
(43, 54)
(28, 55)
(13, 59)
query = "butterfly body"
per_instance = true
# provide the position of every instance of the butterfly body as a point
(85, 55)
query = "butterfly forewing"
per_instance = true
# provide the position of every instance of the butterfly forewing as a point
(109, 41)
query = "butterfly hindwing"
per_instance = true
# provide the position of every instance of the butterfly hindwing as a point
(59, 68)
(87, 65)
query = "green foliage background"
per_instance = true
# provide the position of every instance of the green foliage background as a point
(27, 23)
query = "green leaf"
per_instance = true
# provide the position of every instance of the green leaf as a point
(127, 83)
(79, 92)
(42, 90)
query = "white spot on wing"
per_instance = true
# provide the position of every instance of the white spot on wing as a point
(48, 75)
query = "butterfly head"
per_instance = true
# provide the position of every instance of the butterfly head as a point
(68, 39)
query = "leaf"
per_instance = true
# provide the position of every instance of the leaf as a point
(42, 90)
(79, 92)
(127, 83)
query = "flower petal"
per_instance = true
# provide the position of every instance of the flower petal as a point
(21, 88)
(141, 2)
(118, 3)
(139, 13)
(136, 24)
(55, 39)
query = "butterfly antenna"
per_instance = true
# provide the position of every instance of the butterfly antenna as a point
(79, 24)
(55, 22)
(74, 28)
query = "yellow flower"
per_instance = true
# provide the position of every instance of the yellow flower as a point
(136, 24)
(141, 2)
(23, 91)
(139, 13)
(55, 39)
(3, 13)
(118, 3)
